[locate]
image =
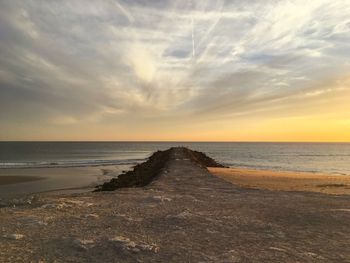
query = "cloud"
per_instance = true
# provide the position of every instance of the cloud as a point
(141, 61)
(74, 62)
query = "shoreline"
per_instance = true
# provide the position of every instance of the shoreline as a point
(285, 180)
(244, 177)
(23, 182)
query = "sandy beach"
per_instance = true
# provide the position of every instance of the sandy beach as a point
(184, 215)
(285, 181)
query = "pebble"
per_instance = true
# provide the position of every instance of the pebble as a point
(153, 248)
(14, 236)
(161, 198)
(33, 221)
(92, 216)
(84, 244)
(182, 215)
(277, 249)
(126, 244)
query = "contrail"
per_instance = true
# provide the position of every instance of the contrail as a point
(124, 12)
(193, 49)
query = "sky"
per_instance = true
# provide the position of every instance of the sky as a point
(173, 70)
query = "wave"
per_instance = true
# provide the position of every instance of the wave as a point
(68, 163)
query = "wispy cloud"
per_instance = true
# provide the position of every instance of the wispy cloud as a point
(124, 11)
(105, 61)
(192, 31)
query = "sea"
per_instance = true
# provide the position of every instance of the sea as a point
(30, 157)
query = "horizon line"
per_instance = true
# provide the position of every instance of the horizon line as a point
(171, 141)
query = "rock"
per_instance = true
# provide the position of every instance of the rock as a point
(13, 236)
(278, 249)
(231, 256)
(83, 244)
(182, 215)
(48, 206)
(66, 203)
(209, 231)
(55, 206)
(128, 218)
(92, 216)
(153, 248)
(14, 202)
(44, 261)
(71, 202)
(310, 254)
(341, 210)
(32, 199)
(126, 244)
(146, 172)
(33, 221)
(161, 198)
(123, 242)
(120, 240)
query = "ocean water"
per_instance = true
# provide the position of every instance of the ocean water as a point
(327, 158)
(65, 165)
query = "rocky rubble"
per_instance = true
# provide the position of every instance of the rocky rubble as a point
(144, 173)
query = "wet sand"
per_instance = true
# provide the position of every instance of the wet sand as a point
(23, 181)
(285, 181)
(8, 179)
